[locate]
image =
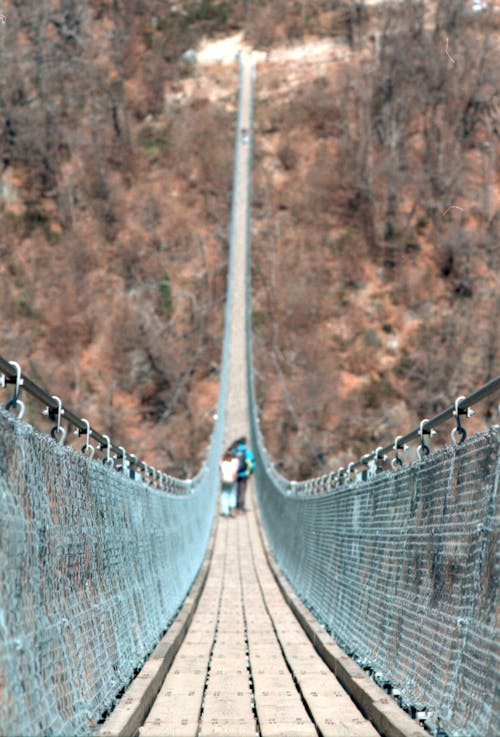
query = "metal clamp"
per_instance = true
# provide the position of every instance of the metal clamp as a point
(396, 461)
(15, 402)
(423, 447)
(87, 449)
(58, 432)
(369, 467)
(379, 458)
(108, 461)
(460, 429)
(123, 454)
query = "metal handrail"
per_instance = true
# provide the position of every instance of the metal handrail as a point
(11, 377)
(57, 409)
(462, 404)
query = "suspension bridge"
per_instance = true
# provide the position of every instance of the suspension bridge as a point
(359, 603)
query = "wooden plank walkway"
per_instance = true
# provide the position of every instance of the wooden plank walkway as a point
(246, 666)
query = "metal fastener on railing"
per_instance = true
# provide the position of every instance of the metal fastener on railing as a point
(58, 432)
(460, 429)
(11, 374)
(370, 463)
(398, 445)
(462, 405)
(15, 402)
(87, 448)
(9, 370)
(424, 430)
(108, 461)
(379, 458)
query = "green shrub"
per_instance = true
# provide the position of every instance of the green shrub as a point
(154, 139)
(165, 296)
(259, 319)
(214, 14)
(374, 394)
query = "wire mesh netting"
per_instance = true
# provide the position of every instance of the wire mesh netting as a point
(93, 568)
(403, 570)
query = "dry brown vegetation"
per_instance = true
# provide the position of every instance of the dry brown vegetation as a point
(115, 209)
(115, 197)
(376, 254)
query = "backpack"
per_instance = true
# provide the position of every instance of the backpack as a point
(246, 461)
(242, 458)
(250, 461)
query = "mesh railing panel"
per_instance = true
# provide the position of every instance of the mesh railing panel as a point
(403, 571)
(93, 569)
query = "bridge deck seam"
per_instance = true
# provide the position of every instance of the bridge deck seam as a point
(135, 704)
(372, 701)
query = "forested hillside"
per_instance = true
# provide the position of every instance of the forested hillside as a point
(116, 195)
(376, 232)
(375, 221)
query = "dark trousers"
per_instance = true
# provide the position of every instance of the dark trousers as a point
(241, 490)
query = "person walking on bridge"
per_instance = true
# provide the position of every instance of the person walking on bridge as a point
(246, 466)
(228, 470)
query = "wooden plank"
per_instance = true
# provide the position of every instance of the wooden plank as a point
(246, 662)
(372, 701)
(136, 702)
(278, 703)
(228, 700)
